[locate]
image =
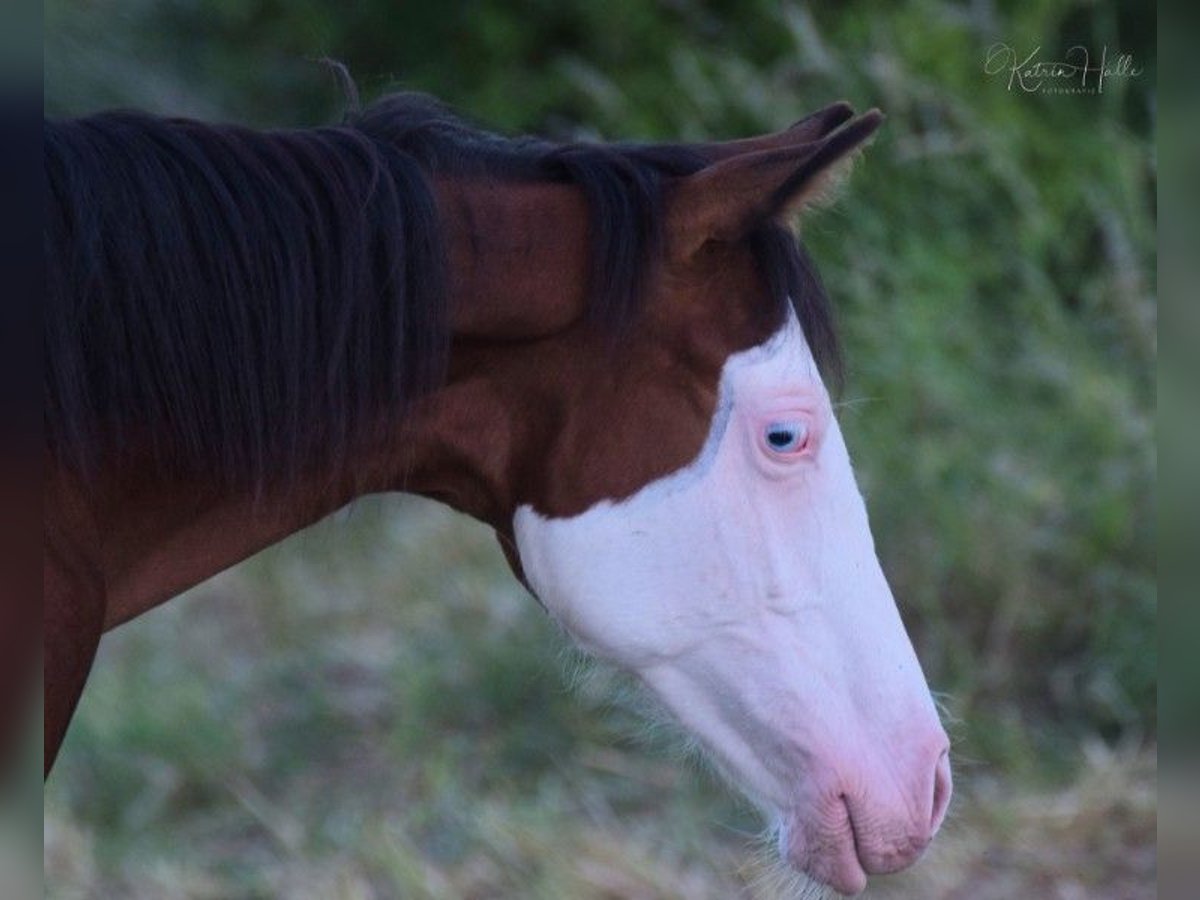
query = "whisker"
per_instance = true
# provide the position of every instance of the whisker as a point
(854, 402)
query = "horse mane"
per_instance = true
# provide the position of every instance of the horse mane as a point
(248, 301)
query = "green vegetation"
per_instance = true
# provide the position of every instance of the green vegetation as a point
(375, 709)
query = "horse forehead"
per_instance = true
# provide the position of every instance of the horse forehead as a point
(783, 359)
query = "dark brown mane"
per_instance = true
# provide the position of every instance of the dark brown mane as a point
(252, 299)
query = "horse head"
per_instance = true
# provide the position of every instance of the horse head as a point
(678, 494)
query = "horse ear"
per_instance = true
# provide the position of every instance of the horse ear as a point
(725, 201)
(812, 127)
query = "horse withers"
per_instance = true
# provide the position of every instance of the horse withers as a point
(612, 354)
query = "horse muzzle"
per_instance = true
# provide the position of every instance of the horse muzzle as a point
(869, 820)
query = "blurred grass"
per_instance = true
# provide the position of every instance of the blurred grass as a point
(377, 704)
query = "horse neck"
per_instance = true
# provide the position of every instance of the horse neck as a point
(517, 264)
(517, 255)
(152, 538)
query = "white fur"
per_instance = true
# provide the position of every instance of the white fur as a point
(744, 590)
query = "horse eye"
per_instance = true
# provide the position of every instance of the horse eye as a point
(786, 437)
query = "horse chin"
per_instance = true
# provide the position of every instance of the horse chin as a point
(780, 868)
(842, 876)
(771, 874)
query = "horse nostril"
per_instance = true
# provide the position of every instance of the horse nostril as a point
(942, 789)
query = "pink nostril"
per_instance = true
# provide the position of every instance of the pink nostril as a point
(941, 792)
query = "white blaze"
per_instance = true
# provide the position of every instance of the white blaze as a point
(744, 590)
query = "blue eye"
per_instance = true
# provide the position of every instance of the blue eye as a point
(786, 437)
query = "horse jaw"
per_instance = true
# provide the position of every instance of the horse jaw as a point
(745, 592)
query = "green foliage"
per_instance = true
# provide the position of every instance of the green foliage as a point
(993, 261)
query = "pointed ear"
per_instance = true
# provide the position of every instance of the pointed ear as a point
(812, 127)
(725, 201)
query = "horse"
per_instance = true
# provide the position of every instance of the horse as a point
(615, 355)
